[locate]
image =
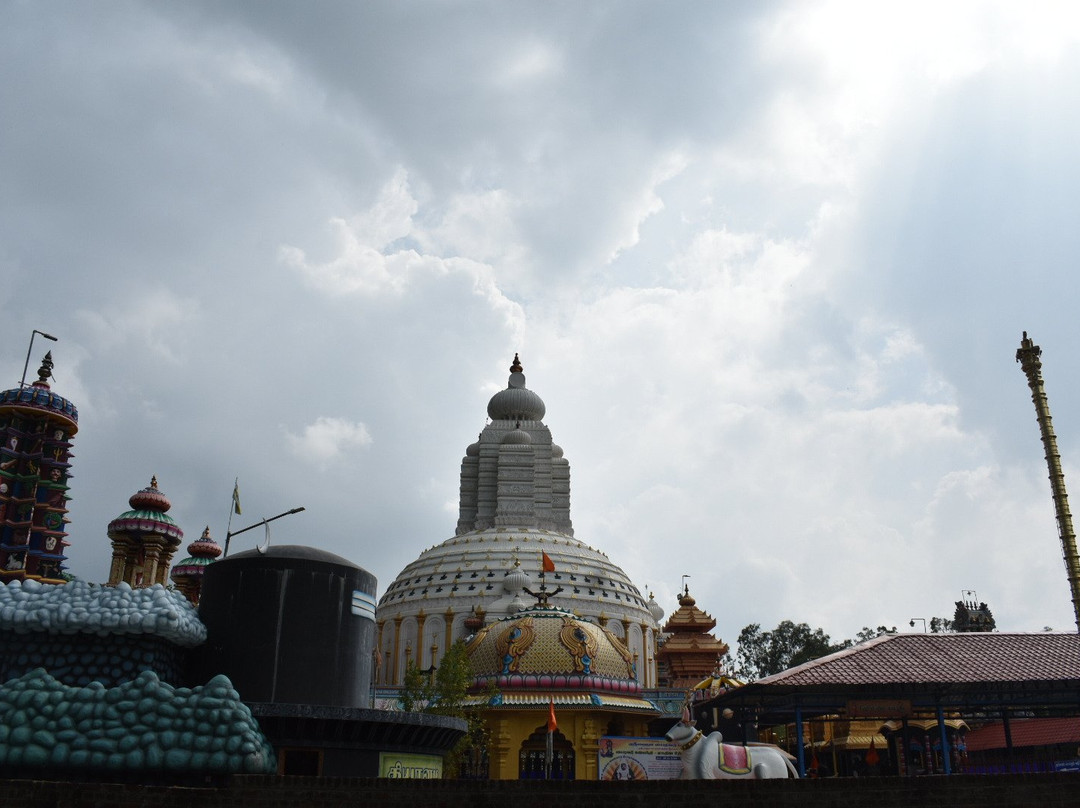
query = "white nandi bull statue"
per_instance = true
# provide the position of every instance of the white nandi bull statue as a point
(706, 757)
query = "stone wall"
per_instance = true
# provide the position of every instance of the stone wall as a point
(1059, 790)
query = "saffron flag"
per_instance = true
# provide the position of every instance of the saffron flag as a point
(552, 725)
(548, 564)
(872, 756)
(236, 497)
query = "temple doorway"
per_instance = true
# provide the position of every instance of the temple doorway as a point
(532, 753)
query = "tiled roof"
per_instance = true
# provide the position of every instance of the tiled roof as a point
(955, 659)
(1026, 732)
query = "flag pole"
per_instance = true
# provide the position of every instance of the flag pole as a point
(550, 745)
(234, 507)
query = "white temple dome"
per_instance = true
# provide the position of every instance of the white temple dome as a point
(477, 569)
(514, 509)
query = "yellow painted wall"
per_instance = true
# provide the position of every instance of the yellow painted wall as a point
(583, 728)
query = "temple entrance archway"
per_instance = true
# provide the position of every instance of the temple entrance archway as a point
(534, 748)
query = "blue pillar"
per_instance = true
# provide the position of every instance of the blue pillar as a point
(800, 753)
(946, 752)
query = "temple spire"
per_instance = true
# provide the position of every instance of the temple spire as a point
(45, 371)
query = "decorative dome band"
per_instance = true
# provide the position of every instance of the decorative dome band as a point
(42, 399)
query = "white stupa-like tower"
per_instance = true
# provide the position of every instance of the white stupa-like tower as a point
(514, 507)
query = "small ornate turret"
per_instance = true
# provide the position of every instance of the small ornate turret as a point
(188, 574)
(36, 426)
(690, 653)
(475, 621)
(144, 540)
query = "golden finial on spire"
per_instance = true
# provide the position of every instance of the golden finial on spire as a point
(153, 482)
(516, 367)
(45, 371)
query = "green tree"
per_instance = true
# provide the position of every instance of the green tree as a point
(416, 689)
(445, 693)
(939, 625)
(764, 653)
(867, 633)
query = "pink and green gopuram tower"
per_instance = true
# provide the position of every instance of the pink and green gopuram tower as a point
(36, 427)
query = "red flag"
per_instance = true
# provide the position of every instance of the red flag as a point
(872, 756)
(552, 726)
(548, 564)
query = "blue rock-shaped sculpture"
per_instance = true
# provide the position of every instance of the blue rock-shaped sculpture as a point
(144, 725)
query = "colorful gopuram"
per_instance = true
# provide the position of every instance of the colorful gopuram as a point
(689, 653)
(36, 427)
(188, 574)
(144, 540)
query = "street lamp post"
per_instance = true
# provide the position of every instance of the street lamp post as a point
(30, 347)
(228, 536)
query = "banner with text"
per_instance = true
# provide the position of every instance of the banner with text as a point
(638, 759)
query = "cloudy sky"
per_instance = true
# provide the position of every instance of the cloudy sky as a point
(767, 264)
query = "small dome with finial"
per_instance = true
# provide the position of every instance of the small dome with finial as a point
(150, 498)
(204, 546)
(517, 437)
(686, 599)
(187, 574)
(516, 579)
(516, 402)
(655, 609)
(147, 517)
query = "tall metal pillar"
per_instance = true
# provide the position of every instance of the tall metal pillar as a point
(1028, 356)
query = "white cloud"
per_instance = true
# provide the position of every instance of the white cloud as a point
(528, 61)
(156, 321)
(768, 280)
(327, 439)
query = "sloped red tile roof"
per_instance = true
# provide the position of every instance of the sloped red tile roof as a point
(1025, 732)
(954, 659)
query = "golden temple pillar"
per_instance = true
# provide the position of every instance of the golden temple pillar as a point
(587, 752)
(397, 673)
(449, 629)
(421, 618)
(502, 758)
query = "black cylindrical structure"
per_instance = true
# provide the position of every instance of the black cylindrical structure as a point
(290, 625)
